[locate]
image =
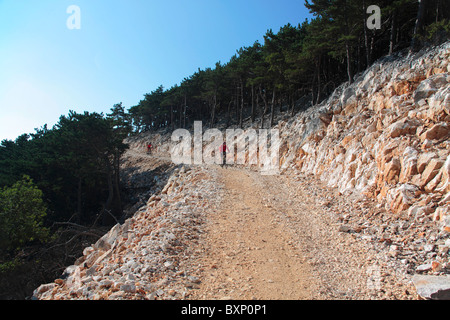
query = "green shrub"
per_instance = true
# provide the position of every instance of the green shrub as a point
(438, 32)
(22, 211)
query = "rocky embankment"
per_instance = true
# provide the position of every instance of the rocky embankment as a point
(386, 137)
(150, 255)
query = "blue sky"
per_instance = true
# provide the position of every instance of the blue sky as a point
(123, 50)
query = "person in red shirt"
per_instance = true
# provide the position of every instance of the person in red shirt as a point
(149, 148)
(223, 151)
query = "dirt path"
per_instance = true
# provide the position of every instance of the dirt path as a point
(249, 254)
(235, 234)
(284, 238)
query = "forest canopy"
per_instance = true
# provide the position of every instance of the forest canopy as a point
(75, 164)
(308, 60)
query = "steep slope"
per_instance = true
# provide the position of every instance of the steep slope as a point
(386, 136)
(152, 251)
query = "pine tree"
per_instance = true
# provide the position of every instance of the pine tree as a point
(22, 211)
(341, 26)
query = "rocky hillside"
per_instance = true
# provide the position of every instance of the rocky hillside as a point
(386, 136)
(381, 148)
(140, 258)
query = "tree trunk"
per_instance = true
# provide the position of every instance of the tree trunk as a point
(318, 80)
(393, 36)
(281, 100)
(110, 199)
(314, 78)
(349, 63)
(229, 113)
(253, 105)
(79, 199)
(118, 207)
(419, 24)
(292, 101)
(241, 112)
(172, 121)
(263, 96)
(272, 108)
(438, 12)
(213, 111)
(180, 118)
(366, 35)
(358, 56)
(236, 99)
(182, 106)
(184, 115)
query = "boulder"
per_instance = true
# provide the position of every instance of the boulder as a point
(392, 171)
(403, 127)
(73, 282)
(425, 89)
(446, 223)
(408, 164)
(377, 103)
(429, 87)
(432, 185)
(439, 105)
(431, 171)
(432, 287)
(438, 132)
(402, 197)
(424, 160)
(347, 96)
(433, 71)
(44, 288)
(444, 186)
(440, 213)
(106, 242)
(403, 87)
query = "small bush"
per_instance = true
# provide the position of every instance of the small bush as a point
(437, 32)
(22, 211)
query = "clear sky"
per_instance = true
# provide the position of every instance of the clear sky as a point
(124, 49)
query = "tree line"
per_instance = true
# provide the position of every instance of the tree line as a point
(305, 61)
(59, 187)
(75, 163)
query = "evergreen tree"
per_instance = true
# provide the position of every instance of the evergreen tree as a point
(341, 26)
(309, 60)
(22, 211)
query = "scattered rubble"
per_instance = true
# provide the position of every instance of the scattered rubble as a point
(150, 255)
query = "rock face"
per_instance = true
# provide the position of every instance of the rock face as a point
(388, 140)
(387, 136)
